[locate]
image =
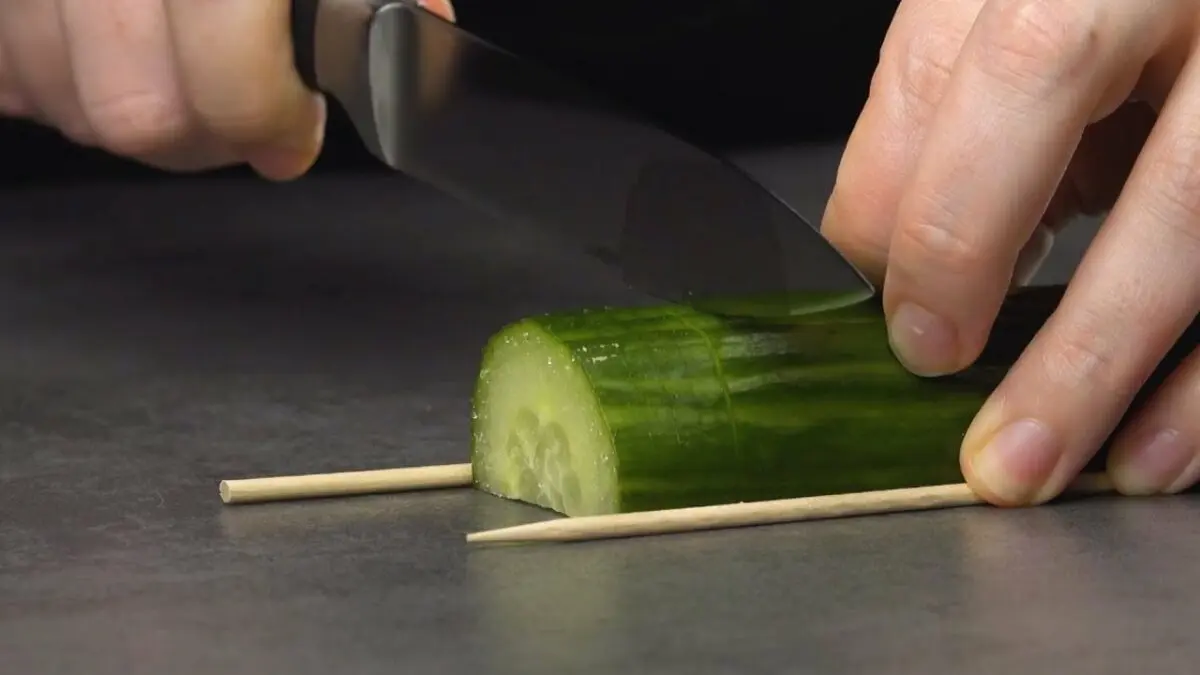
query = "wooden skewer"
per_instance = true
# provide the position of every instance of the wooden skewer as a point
(278, 488)
(753, 513)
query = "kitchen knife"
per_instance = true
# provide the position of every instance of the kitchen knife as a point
(508, 135)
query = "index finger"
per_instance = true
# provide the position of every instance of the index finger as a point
(237, 69)
(1032, 76)
(917, 56)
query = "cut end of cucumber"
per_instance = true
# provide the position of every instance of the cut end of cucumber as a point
(535, 400)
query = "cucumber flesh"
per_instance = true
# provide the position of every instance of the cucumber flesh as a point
(539, 432)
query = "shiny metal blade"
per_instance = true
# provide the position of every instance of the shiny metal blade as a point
(509, 136)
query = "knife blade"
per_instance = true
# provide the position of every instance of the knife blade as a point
(514, 138)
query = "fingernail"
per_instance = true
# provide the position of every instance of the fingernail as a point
(1153, 464)
(1016, 464)
(924, 342)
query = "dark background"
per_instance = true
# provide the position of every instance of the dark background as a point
(735, 75)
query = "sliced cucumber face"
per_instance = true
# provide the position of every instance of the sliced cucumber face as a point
(539, 433)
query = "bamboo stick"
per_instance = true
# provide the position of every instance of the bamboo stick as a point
(279, 488)
(746, 514)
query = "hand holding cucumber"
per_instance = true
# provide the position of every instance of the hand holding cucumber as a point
(990, 123)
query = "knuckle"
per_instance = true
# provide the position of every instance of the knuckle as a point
(923, 67)
(1033, 45)
(1084, 354)
(140, 123)
(927, 235)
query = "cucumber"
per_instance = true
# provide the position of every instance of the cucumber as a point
(632, 409)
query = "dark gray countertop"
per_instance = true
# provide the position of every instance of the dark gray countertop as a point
(155, 339)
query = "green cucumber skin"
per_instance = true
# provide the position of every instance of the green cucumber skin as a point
(816, 405)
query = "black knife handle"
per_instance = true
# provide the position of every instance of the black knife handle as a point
(304, 40)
